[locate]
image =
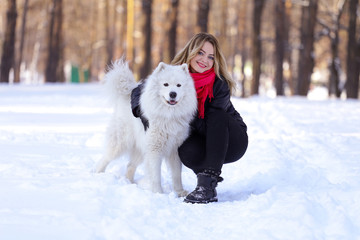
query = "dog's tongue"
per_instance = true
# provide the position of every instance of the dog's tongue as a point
(172, 102)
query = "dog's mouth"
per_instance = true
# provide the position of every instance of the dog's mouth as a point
(172, 102)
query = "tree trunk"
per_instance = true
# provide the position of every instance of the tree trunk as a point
(8, 52)
(129, 32)
(122, 29)
(352, 81)
(306, 59)
(108, 35)
(170, 31)
(288, 51)
(54, 68)
(256, 46)
(279, 46)
(93, 37)
(22, 39)
(224, 40)
(335, 67)
(357, 68)
(203, 15)
(241, 41)
(110, 30)
(147, 29)
(173, 28)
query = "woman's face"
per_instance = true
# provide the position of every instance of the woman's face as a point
(204, 60)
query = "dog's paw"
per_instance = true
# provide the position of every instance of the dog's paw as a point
(98, 170)
(182, 193)
(145, 184)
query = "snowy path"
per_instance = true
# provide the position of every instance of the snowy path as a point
(300, 178)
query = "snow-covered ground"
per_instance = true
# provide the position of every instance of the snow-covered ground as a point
(300, 178)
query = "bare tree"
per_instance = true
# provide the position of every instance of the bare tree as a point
(288, 50)
(256, 45)
(147, 29)
(54, 68)
(130, 31)
(352, 70)
(279, 46)
(224, 40)
(109, 37)
(240, 47)
(110, 29)
(173, 27)
(8, 52)
(203, 15)
(357, 67)
(93, 37)
(306, 59)
(331, 30)
(168, 49)
(22, 39)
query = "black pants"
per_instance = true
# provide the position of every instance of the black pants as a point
(225, 141)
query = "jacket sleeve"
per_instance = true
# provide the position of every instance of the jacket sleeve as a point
(135, 100)
(135, 105)
(221, 98)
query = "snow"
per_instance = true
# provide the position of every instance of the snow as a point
(298, 180)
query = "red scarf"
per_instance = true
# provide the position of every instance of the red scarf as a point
(204, 83)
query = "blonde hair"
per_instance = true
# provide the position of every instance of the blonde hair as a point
(192, 48)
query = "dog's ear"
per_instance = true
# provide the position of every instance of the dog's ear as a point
(160, 67)
(184, 67)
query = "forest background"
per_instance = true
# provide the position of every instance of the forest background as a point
(285, 47)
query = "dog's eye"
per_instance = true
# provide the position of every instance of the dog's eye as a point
(179, 85)
(166, 84)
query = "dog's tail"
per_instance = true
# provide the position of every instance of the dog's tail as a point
(119, 80)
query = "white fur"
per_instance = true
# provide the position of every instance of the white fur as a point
(168, 124)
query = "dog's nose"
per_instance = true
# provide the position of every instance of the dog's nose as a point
(172, 94)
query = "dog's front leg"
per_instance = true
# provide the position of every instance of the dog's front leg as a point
(175, 165)
(153, 171)
(153, 156)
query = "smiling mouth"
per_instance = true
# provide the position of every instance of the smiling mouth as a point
(201, 65)
(172, 102)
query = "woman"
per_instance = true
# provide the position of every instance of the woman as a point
(218, 133)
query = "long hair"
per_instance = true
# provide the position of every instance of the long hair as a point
(192, 48)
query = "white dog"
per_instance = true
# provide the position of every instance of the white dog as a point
(168, 100)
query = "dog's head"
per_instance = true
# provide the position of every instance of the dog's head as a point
(169, 92)
(173, 82)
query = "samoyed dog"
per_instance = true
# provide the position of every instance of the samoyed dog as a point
(168, 101)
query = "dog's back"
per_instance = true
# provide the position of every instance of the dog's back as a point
(122, 131)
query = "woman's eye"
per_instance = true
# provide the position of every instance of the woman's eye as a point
(166, 84)
(201, 53)
(211, 58)
(179, 85)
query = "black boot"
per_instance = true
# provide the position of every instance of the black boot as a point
(205, 191)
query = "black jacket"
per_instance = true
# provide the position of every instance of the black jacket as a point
(221, 100)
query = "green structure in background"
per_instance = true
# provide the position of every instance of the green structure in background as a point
(76, 77)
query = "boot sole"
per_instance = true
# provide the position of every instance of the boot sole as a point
(199, 201)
